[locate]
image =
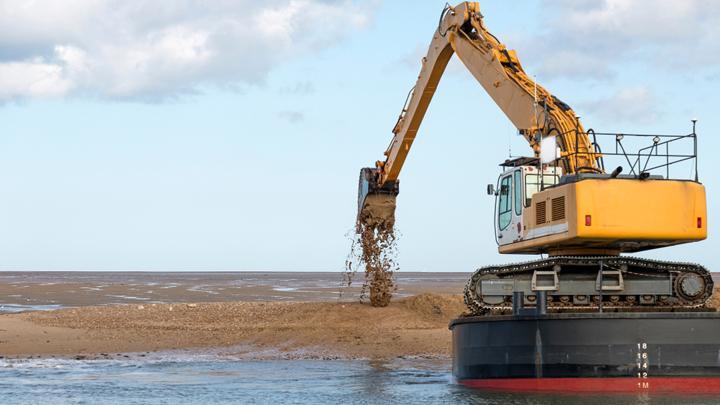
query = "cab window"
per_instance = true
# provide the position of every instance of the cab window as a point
(518, 192)
(533, 184)
(505, 203)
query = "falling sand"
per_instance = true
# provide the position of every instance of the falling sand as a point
(374, 248)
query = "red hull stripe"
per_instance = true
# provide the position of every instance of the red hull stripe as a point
(681, 385)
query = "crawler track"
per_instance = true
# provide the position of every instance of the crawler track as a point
(631, 266)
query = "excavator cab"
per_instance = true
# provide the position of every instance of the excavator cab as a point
(594, 214)
(515, 188)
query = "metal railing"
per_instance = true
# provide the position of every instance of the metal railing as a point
(640, 157)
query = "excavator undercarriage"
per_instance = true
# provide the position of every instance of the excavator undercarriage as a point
(576, 284)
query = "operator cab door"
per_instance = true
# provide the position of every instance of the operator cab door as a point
(509, 213)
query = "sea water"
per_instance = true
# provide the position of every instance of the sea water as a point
(206, 379)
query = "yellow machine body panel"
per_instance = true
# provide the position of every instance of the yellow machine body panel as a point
(641, 210)
(610, 216)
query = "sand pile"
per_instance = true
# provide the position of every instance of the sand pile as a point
(415, 326)
(714, 301)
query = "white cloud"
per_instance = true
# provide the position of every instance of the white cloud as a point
(33, 78)
(593, 39)
(628, 105)
(160, 49)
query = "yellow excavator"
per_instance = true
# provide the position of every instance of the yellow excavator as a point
(560, 202)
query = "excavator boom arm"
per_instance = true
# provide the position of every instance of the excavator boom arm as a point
(532, 109)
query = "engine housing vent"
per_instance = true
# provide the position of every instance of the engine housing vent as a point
(558, 208)
(540, 213)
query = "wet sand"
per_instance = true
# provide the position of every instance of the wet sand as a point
(43, 290)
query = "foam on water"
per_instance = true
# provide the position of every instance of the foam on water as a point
(284, 289)
(128, 297)
(15, 308)
(203, 289)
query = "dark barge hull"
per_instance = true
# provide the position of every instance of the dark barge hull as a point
(598, 352)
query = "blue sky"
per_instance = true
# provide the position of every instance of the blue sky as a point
(177, 136)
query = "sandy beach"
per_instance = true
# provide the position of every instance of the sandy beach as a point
(415, 326)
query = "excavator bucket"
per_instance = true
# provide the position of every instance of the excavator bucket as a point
(376, 205)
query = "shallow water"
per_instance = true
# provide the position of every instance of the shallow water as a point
(29, 291)
(175, 379)
(15, 308)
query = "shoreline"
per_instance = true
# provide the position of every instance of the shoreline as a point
(43, 290)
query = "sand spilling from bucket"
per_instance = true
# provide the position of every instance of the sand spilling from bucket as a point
(374, 248)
